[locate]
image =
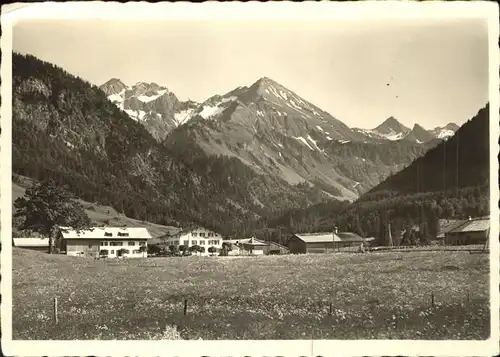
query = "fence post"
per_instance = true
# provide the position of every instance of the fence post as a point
(56, 320)
(432, 299)
(185, 306)
(331, 309)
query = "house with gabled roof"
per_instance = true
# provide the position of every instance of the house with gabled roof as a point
(112, 242)
(325, 242)
(471, 231)
(199, 236)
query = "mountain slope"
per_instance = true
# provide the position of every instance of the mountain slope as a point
(461, 161)
(67, 129)
(445, 132)
(419, 135)
(158, 109)
(450, 181)
(391, 129)
(278, 134)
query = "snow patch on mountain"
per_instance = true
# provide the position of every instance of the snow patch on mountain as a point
(304, 141)
(183, 116)
(136, 114)
(146, 99)
(292, 102)
(393, 136)
(445, 133)
(209, 111)
(118, 97)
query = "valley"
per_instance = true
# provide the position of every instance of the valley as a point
(234, 163)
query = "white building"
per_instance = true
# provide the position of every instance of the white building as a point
(105, 241)
(201, 237)
(41, 244)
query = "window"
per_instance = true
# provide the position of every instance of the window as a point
(136, 251)
(195, 234)
(112, 252)
(202, 242)
(131, 243)
(193, 242)
(210, 234)
(186, 243)
(108, 234)
(202, 234)
(90, 245)
(142, 243)
(122, 234)
(126, 251)
(119, 244)
(104, 243)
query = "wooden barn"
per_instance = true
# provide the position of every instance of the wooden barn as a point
(328, 242)
(472, 231)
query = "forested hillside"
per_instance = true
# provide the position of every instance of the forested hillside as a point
(449, 181)
(65, 128)
(461, 161)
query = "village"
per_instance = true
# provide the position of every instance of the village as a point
(136, 242)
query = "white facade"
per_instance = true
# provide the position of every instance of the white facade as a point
(132, 248)
(202, 237)
(106, 241)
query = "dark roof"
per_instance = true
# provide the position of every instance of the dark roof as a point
(474, 225)
(447, 225)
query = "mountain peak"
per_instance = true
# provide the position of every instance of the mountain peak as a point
(113, 86)
(114, 81)
(419, 135)
(451, 126)
(265, 82)
(391, 126)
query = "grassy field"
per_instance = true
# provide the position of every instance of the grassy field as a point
(102, 214)
(373, 296)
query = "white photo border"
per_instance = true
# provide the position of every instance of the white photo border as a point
(352, 11)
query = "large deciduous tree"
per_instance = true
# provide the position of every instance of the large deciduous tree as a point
(46, 206)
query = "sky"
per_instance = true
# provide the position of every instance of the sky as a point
(429, 72)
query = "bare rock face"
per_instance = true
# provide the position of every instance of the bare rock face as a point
(277, 133)
(158, 109)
